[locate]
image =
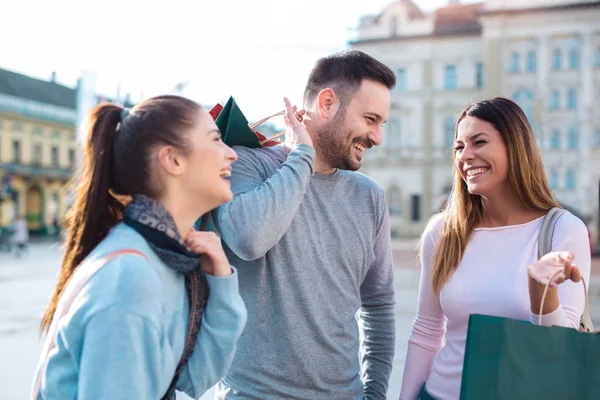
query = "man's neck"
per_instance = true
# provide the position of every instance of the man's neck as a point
(323, 168)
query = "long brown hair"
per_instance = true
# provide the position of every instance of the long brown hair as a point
(117, 160)
(526, 177)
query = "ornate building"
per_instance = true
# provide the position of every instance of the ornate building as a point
(37, 149)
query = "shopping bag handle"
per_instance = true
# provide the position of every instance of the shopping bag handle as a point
(586, 310)
(278, 134)
(262, 121)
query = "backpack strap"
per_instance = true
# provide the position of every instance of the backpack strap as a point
(547, 231)
(72, 289)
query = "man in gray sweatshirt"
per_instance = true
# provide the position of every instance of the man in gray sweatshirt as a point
(310, 238)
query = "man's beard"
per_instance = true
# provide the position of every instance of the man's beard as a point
(333, 146)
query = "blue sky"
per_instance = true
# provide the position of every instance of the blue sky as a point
(258, 51)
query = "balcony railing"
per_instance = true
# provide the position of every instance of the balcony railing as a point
(36, 170)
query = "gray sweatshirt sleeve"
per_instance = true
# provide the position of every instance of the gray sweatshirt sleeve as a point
(378, 316)
(263, 205)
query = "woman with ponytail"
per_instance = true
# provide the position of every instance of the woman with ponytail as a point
(144, 304)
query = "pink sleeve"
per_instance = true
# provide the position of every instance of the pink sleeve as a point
(429, 327)
(570, 234)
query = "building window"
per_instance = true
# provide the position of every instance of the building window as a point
(55, 160)
(557, 60)
(401, 80)
(597, 57)
(555, 100)
(571, 179)
(574, 58)
(1, 124)
(554, 178)
(395, 200)
(524, 98)
(539, 137)
(449, 132)
(572, 99)
(573, 141)
(37, 154)
(71, 158)
(523, 95)
(596, 139)
(531, 61)
(395, 133)
(555, 140)
(415, 207)
(479, 75)
(515, 60)
(394, 26)
(450, 77)
(16, 148)
(37, 130)
(18, 127)
(56, 134)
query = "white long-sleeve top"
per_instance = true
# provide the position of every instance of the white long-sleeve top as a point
(491, 279)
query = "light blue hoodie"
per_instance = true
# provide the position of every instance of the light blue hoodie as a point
(125, 332)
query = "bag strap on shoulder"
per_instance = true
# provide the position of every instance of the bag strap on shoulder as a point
(547, 231)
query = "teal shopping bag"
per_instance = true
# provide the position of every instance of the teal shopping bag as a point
(507, 359)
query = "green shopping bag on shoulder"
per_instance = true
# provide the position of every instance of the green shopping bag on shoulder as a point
(507, 359)
(237, 131)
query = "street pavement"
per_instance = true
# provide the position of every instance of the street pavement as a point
(26, 284)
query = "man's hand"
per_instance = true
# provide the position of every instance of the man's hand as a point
(296, 132)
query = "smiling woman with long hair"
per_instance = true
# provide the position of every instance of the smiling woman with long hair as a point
(163, 312)
(479, 255)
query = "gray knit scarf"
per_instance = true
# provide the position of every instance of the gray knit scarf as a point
(151, 220)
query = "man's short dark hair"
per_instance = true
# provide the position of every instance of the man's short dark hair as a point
(344, 72)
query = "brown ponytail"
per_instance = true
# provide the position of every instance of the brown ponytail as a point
(95, 211)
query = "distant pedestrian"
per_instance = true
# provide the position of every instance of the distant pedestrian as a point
(56, 226)
(20, 235)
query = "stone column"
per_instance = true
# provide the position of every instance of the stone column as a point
(586, 91)
(428, 144)
(541, 91)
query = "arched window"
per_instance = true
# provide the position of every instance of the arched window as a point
(557, 59)
(394, 195)
(449, 131)
(531, 61)
(555, 140)
(515, 60)
(573, 140)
